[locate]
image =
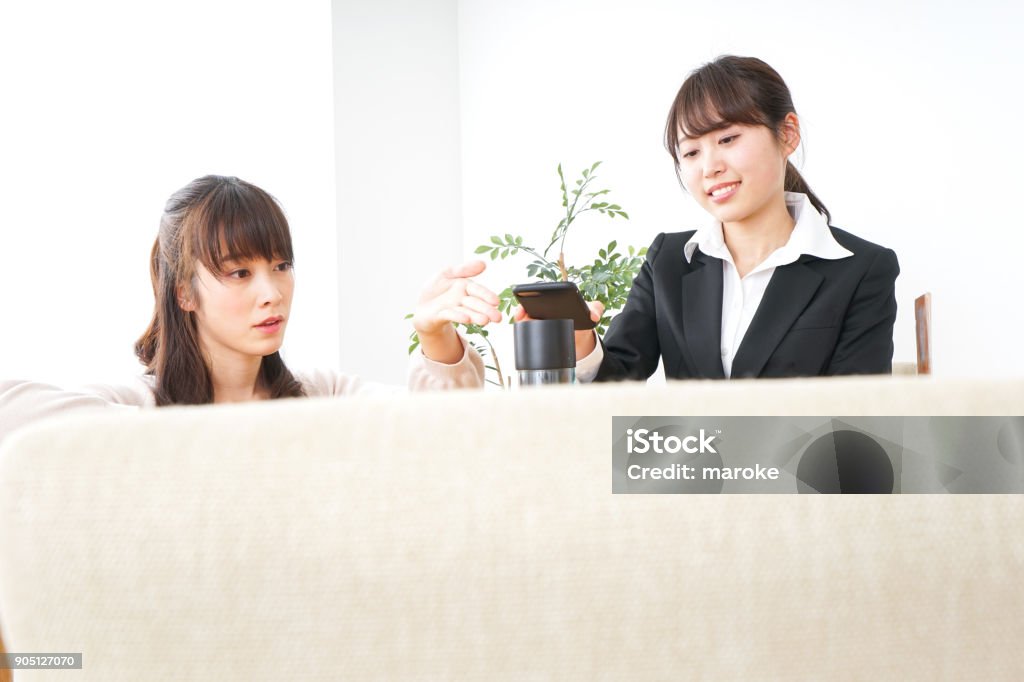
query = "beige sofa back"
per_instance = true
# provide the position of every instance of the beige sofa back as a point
(474, 535)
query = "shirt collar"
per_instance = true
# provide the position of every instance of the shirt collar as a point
(811, 236)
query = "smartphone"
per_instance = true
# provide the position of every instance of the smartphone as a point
(554, 301)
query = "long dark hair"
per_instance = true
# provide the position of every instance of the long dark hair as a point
(203, 222)
(733, 90)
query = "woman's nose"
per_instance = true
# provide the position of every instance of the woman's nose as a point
(269, 292)
(712, 165)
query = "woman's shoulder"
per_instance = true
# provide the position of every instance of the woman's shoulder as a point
(423, 374)
(668, 242)
(326, 382)
(858, 245)
(139, 391)
(23, 402)
(671, 239)
(874, 261)
(136, 392)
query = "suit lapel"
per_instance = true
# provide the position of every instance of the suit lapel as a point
(702, 315)
(789, 291)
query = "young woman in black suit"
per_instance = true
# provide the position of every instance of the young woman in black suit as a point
(768, 288)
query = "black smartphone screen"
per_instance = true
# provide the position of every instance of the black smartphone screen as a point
(554, 301)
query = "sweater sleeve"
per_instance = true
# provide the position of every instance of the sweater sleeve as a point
(427, 375)
(424, 375)
(24, 402)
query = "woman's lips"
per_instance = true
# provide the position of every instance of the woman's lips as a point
(271, 328)
(725, 197)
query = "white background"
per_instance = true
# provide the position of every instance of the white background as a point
(109, 107)
(399, 135)
(910, 116)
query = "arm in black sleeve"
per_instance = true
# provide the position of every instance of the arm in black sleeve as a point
(631, 349)
(865, 341)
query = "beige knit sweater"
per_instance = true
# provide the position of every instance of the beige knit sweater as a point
(23, 402)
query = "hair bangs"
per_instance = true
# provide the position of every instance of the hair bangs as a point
(238, 221)
(714, 97)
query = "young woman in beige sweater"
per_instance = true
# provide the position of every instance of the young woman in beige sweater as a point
(223, 281)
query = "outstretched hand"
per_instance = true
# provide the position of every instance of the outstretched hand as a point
(453, 297)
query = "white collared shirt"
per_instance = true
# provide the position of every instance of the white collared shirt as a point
(741, 297)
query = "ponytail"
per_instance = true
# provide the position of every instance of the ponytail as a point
(796, 183)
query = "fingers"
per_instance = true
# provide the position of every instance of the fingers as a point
(596, 310)
(464, 315)
(453, 297)
(481, 292)
(454, 281)
(475, 305)
(470, 268)
(518, 314)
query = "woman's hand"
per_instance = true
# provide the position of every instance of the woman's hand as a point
(586, 340)
(452, 297)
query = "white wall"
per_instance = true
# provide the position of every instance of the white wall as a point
(452, 113)
(108, 107)
(909, 112)
(398, 174)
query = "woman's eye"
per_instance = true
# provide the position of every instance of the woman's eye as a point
(689, 154)
(729, 138)
(238, 274)
(284, 266)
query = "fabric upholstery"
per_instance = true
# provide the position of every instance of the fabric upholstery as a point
(474, 535)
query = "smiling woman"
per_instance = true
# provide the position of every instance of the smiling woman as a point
(223, 281)
(769, 287)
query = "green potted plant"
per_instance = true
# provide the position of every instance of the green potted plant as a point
(607, 278)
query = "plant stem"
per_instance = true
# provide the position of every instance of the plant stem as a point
(573, 215)
(534, 254)
(561, 266)
(497, 362)
(570, 214)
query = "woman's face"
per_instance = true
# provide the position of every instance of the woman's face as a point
(245, 310)
(735, 172)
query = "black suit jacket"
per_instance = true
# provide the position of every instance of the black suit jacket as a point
(817, 317)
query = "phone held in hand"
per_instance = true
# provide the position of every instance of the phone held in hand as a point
(554, 301)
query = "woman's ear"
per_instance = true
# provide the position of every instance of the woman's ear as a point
(186, 301)
(790, 133)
